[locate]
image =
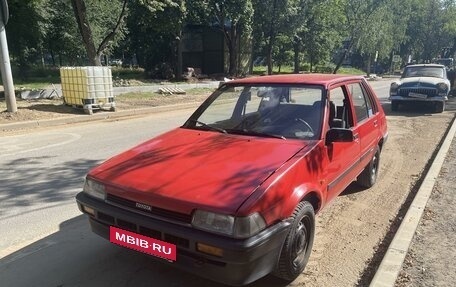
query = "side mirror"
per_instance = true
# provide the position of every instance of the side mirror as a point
(339, 135)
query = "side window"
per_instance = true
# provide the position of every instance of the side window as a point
(363, 108)
(339, 109)
(371, 104)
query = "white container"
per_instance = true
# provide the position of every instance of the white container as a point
(88, 87)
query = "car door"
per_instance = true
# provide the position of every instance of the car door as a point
(343, 157)
(366, 121)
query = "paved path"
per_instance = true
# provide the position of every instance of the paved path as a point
(423, 249)
(431, 256)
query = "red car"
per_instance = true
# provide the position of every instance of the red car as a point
(232, 194)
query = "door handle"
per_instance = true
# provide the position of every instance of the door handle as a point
(375, 123)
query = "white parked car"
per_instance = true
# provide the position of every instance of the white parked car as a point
(421, 83)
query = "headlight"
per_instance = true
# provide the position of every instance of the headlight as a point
(94, 189)
(393, 88)
(442, 87)
(237, 227)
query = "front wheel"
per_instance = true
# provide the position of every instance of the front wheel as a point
(439, 107)
(394, 106)
(298, 244)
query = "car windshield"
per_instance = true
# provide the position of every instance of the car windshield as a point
(278, 111)
(435, 72)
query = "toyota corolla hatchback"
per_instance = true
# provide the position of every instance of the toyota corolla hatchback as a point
(231, 195)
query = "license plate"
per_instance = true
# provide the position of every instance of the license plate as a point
(142, 243)
(417, 95)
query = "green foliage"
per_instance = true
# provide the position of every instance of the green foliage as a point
(152, 35)
(306, 33)
(234, 19)
(103, 16)
(25, 31)
(62, 38)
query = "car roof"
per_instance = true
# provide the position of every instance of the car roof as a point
(309, 79)
(426, 65)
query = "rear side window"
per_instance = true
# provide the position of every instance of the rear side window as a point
(362, 103)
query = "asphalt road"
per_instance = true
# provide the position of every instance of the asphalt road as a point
(45, 241)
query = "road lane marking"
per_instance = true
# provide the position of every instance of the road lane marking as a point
(15, 145)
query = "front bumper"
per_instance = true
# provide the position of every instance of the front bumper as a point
(410, 99)
(243, 261)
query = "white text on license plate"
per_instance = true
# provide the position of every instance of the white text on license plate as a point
(142, 243)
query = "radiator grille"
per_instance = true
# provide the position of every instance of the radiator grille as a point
(430, 92)
(155, 211)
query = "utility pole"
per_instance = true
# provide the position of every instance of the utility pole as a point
(5, 66)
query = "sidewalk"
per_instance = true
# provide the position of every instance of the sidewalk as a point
(432, 253)
(423, 250)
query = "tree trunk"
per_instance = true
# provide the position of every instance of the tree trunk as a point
(93, 53)
(180, 63)
(368, 65)
(80, 11)
(271, 37)
(232, 49)
(344, 55)
(297, 46)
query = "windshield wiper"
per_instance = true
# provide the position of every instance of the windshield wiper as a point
(255, 133)
(209, 126)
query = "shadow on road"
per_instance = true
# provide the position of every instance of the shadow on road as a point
(74, 256)
(35, 183)
(417, 109)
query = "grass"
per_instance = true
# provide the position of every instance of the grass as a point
(39, 78)
(146, 95)
(260, 70)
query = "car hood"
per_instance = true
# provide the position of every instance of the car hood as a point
(422, 81)
(186, 169)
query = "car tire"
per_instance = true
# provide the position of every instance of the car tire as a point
(394, 106)
(368, 176)
(439, 107)
(298, 243)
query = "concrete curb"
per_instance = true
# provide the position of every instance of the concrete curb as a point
(96, 116)
(391, 264)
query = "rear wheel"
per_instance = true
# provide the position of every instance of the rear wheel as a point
(298, 244)
(368, 176)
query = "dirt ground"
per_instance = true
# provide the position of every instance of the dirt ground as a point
(431, 256)
(353, 232)
(350, 234)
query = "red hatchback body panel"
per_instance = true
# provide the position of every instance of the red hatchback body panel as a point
(257, 152)
(186, 169)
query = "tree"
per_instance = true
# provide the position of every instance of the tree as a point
(26, 29)
(94, 51)
(426, 30)
(232, 17)
(360, 19)
(154, 39)
(321, 18)
(62, 38)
